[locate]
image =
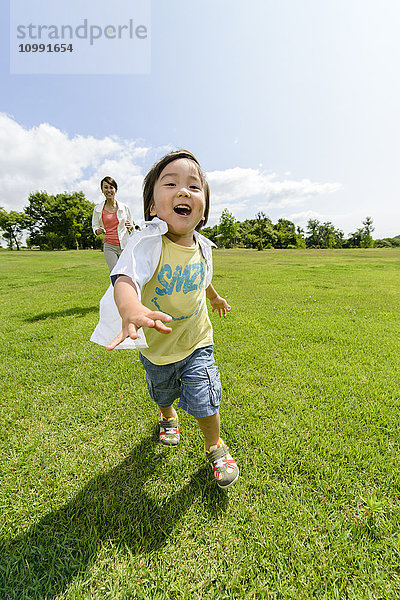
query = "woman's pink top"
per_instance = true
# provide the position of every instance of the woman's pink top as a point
(110, 222)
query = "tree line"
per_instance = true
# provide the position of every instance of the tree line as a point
(261, 233)
(64, 221)
(60, 222)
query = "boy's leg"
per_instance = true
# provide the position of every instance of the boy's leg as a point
(210, 426)
(201, 394)
(168, 426)
(169, 412)
(224, 467)
(163, 388)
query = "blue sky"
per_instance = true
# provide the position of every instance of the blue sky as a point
(291, 107)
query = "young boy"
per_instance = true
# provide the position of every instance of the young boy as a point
(164, 277)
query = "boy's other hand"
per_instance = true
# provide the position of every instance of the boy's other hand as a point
(221, 305)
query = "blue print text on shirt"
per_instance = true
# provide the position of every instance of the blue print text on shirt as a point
(190, 280)
(180, 281)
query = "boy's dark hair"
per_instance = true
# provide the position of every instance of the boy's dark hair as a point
(110, 181)
(154, 174)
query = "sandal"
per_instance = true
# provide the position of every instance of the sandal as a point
(224, 467)
(168, 431)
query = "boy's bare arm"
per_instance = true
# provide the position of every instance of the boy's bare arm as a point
(217, 303)
(133, 313)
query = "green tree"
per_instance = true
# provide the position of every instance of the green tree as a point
(61, 221)
(68, 216)
(245, 234)
(264, 231)
(37, 218)
(227, 228)
(286, 231)
(323, 235)
(366, 233)
(387, 243)
(300, 240)
(383, 243)
(313, 239)
(12, 225)
(261, 222)
(362, 237)
(211, 233)
(330, 237)
(354, 240)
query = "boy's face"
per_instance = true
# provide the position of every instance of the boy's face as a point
(179, 200)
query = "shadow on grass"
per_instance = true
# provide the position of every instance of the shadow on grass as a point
(42, 562)
(78, 312)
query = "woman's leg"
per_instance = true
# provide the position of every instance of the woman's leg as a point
(111, 254)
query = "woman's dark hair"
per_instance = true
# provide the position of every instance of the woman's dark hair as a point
(155, 172)
(110, 181)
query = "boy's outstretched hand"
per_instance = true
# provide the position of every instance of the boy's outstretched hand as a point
(144, 317)
(134, 314)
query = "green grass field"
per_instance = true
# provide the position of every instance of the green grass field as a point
(93, 508)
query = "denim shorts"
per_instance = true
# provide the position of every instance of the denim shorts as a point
(194, 380)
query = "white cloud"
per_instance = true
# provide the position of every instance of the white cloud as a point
(241, 184)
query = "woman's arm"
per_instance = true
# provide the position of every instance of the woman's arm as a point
(128, 220)
(97, 228)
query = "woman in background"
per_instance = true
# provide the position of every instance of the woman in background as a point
(114, 219)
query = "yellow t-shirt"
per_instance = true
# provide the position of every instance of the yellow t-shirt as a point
(177, 288)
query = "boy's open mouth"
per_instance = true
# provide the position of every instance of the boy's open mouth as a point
(183, 209)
